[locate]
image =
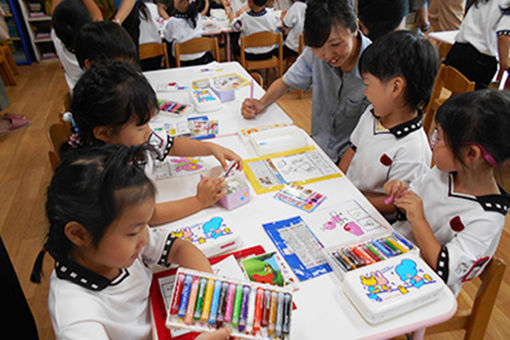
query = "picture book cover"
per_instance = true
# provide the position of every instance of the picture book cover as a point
(268, 268)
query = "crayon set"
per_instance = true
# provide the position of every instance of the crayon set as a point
(350, 257)
(204, 302)
(173, 107)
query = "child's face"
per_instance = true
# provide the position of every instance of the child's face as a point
(339, 47)
(380, 94)
(441, 152)
(122, 242)
(130, 134)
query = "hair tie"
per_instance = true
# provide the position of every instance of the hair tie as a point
(68, 118)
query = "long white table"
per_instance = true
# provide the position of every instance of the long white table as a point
(323, 311)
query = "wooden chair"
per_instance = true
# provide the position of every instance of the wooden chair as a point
(261, 39)
(58, 134)
(197, 45)
(5, 49)
(152, 50)
(449, 82)
(475, 321)
(7, 65)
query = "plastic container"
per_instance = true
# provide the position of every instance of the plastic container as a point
(278, 140)
(238, 192)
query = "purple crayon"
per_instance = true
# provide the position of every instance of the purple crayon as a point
(244, 308)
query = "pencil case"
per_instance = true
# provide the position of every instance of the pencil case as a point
(205, 100)
(224, 92)
(238, 192)
(204, 302)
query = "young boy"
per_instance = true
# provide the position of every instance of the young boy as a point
(256, 20)
(389, 141)
(293, 20)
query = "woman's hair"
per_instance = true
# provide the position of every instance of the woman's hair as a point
(92, 187)
(403, 54)
(109, 94)
(194, 8)
(481, 117)
(67, 19)
(320, 15)
(104, 40)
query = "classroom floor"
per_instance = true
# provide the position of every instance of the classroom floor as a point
(25, 174)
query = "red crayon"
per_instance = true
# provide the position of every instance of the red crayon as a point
(174, 307)
(266, 307)
(258, 310)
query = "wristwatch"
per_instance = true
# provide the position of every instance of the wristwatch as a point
(116, 21)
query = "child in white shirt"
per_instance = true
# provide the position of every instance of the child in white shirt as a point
(456, 212)
(293, 20)
(98, 206)
(389, 141)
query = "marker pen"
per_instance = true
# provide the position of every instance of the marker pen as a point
(259, 305)
(185, 296)
(279, 315)
(174, 306)
(188, 317)
(237, 305)
(287, 299)
(207, 300)
(200, 299)
(272, 314)
(230, 302)
(244, 308)
(215, 301)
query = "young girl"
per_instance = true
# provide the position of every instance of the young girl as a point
(456, 212)
(98, 205)
(112, 104)
(185, 25)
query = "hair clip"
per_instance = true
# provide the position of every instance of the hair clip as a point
(68, 118)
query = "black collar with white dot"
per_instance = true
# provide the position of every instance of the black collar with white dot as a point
(406, 128)
(181, 15)
(73, 272)
(257, 14)
(497, 203)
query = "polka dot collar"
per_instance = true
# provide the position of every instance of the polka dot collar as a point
(406, 128)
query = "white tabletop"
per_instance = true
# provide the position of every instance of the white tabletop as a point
(444, 36)
(323, 311)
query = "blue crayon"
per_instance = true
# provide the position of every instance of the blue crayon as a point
(382, 248)
(403, 241)
(215, 301)
(185, 296)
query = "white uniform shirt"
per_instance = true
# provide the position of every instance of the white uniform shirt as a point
(483, 24)
(157, 164)
(402, 152)
(72, 69)
(85, 305)
(150, 27)
(251, 22)
(179, 30)
(294, 20)
(467, 227)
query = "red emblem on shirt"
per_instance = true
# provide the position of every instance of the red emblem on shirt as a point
(385, 160)
(456, 224)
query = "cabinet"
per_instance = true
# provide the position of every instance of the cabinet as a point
(19, 41)
(37, 17)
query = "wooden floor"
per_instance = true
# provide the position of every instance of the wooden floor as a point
(25, 173)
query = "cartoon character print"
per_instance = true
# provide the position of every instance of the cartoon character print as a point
(201, 233)
(187, 164)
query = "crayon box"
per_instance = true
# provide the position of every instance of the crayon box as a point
(204, 302)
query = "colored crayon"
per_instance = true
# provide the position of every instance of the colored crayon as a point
(287, 299)
(215, 301)
(265, 309)
(354, 259)
(396, 245)
(244, 308)
(237, 305)
(200, 299)
(188, 317)
(389, 244)
(259, 306)
(207, 300)
(359, 252)
(222, 303)
(346, 259)
(382, 248)
(279, 315)
(403, 241)
(272, 314)
(230, 302)
(375, 252)
(174, 307)
(185, 296)
(251, 311)
(341, 261)
(369, 253)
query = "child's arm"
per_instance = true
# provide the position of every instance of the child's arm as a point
(503, 50)
(253, 107)
(379, 202)
(206, 8)
(162, 11)
(346, 159)
(185, 254)
(191, 147)
(94, 10)
(209, 191)
(425, 239)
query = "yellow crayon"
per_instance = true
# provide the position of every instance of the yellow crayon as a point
(207, 300)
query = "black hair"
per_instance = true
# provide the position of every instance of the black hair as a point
(92, 186)
(380, 17)
(259, 3)
(320, 15)
(194, 8)
(481, 117)
(403, 54)
(104, 40)
(109, 94)
(67, 19)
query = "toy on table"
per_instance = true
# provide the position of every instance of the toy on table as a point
(203, 301)
(205, 100)
(238, 192)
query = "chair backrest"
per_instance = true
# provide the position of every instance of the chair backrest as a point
(58, 134)
(151, 50)
(476, 320)
(197, 45)
(301, 45)
(261, 39)
(449, 82)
